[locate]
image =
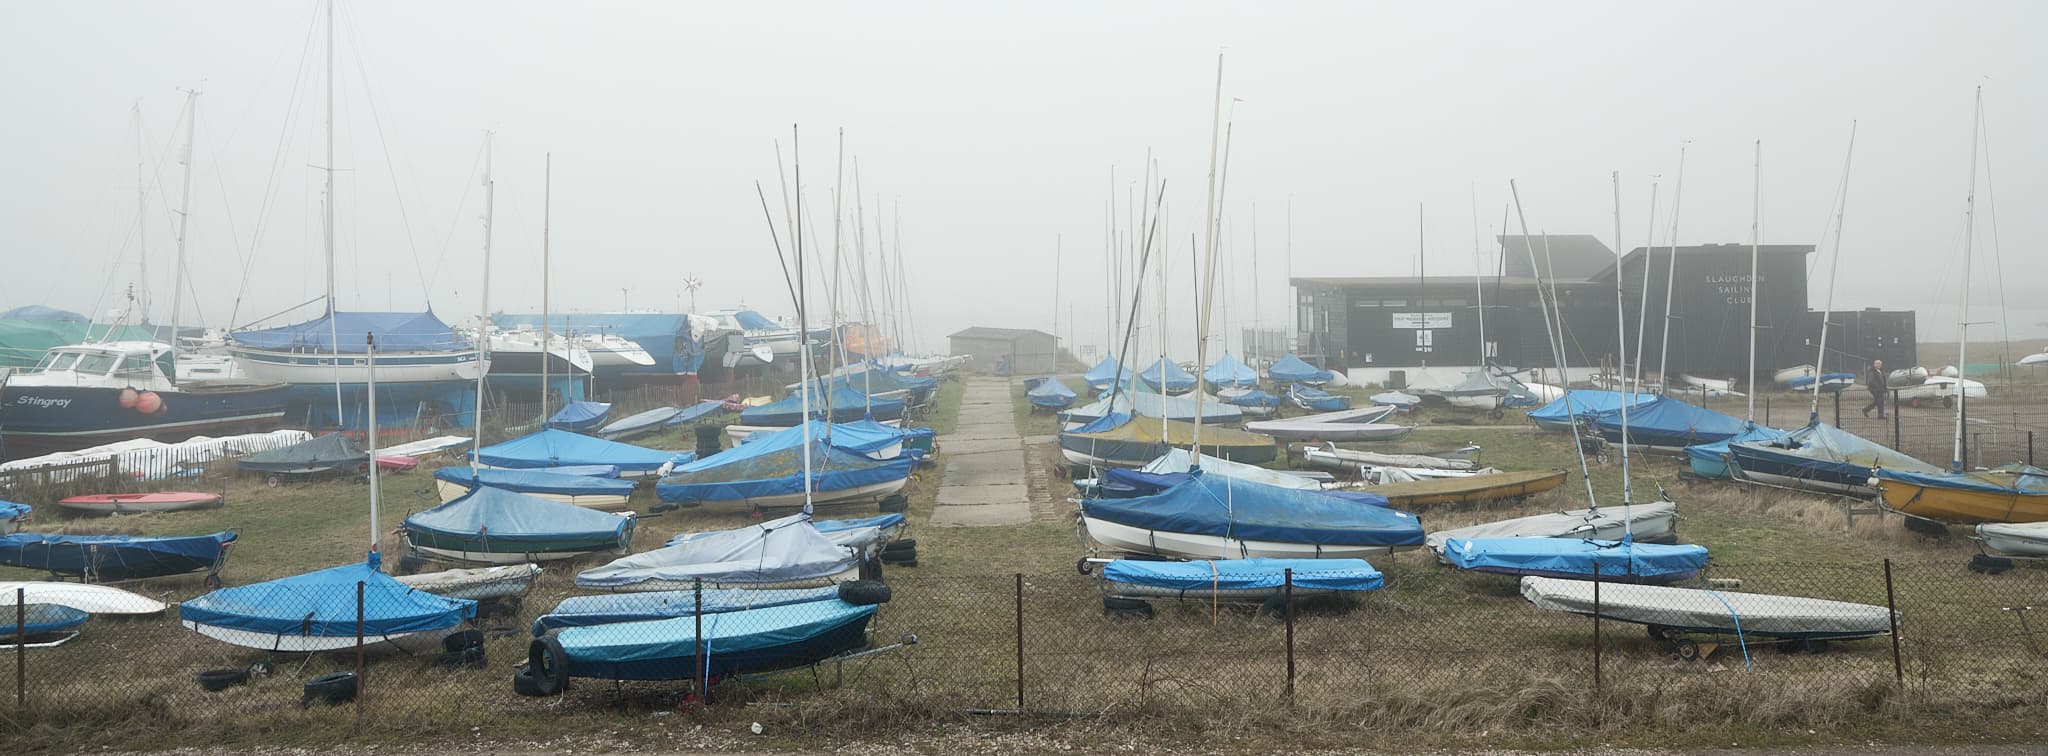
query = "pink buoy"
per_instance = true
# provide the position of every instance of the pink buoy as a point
(128, 398)
(149, 403)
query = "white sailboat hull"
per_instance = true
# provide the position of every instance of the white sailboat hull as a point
(326, 368)
(1116, 537)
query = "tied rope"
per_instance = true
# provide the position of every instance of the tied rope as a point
(1739, 639)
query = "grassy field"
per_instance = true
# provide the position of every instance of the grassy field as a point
(1437, 659)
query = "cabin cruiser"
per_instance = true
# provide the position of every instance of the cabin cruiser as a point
(88, 395)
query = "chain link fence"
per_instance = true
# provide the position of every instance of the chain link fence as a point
(524, 651)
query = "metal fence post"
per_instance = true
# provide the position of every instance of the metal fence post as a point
(2030, 448)
(1895, 418)
(1891, 605)
(1020, 642)
(702, 674)
(359, 645)
(1288, 597)
(1767, 408)
(1596, 629)
(21, 647)
(1838, 408)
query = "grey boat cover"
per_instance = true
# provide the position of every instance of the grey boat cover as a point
(1645, 522)
(777, 551)
(2022, 539)
(1702, 610)
(1176, 460)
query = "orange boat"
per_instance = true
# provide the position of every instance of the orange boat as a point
(162, 501)
(2014, 493)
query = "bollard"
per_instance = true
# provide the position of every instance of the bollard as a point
(1287, 595)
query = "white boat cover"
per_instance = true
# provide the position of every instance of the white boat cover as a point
(477, 584)
(91, 599)
(424, 446)
(1645, 522)
(1709, 611)
(2027, 539)
(778, 551)
(1349, 457)
(1176, 460)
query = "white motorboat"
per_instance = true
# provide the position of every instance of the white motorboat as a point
(610, 350)
(523, 346)
(1942, 388)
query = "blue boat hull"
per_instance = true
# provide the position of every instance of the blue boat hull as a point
(841, 638)
(1769, 466)
(37, 420)
(113, 558)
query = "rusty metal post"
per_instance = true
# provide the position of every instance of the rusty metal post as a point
(359, 641)
(1288, 596)
(1891, 605)
(1020, 640)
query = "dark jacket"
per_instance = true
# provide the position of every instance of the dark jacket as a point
(1876, 380)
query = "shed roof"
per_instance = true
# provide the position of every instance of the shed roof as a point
(998, 334)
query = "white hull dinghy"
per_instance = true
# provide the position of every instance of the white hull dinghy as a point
(1675, 612)
(2027, 540)
(85, 597)
(1651, 522)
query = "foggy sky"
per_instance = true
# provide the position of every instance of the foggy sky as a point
(995, 130)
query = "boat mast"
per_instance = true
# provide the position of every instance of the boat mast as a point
(1963, 324)
(803, 323)
(327, 230)
(1478, 282)
(483, 325)
(1756, 214)
(1620, 350)
(1554, 342)
(184, 215)
(1207, 271)
(1643, 301)
(1670, 276)
(370, 364)
(546, 214)
(1820, 361)
(141, 220)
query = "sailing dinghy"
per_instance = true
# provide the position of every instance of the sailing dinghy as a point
(1217, 517)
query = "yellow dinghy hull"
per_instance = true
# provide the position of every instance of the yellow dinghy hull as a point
(1960, 505)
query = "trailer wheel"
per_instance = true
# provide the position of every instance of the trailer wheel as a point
(1687, 648)
(273, 481)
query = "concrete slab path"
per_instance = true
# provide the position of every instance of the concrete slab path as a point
(984, 483)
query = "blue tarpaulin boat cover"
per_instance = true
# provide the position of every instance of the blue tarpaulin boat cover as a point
(1253, 398)
(1710, 460)
(554, 447)
(41, 619)
(1583, 403)
(500, 515)
(584, 611)
(1824, 448)
(831, 528)
(1149, 404)
(1246, 574)
(1807, 380)
(536, 481)
(774, 466)
(1670, 423)
(330, 453)
(42, 313)
(1051, 394)
(12, 511)
(1149, 483)
(113, 557)
(323, 604)
(1574, 556)
(848, 405)
(1215, 505)
(776, 551)
(753, 321)
(1230, 372)
(1317, 399)
(697, 411)
(860, 436)
(1104, 374)
(1176, 380)
(580, 415)
(749, 639)
(1291, 369)
(396, 332)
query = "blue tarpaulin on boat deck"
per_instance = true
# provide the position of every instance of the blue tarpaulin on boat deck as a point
(696, 412)
(733, 641)
(847, 405)
(396, 332)
(1824, 448)
(1558, 413)
(1710, 460)
(501, 515)
(323, 604)
(1291, 369)
(1669, 422)
(1218, 506)
(1247, 574)
(535, 481)
(584, 611)
(774, 466)
(2031, 481)
(1051, 394)
(1230, 372)
(1176, 380)
(1150, 483)
(1574, 556)
(554, 447)
(1104, 374)
(578, 416)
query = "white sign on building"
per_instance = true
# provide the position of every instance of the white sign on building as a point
(1422, 320)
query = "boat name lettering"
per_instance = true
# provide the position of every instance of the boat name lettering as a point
(43, 402)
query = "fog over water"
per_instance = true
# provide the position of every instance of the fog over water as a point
(986, 136)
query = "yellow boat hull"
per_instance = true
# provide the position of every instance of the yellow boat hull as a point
(1961, 506)
(1506, 485)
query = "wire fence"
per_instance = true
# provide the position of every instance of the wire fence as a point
(1773, 644)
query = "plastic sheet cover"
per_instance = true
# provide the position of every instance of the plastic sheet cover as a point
(781, 550)
(1582, 403)
(1711, 459)
(323, 604)
(696, 412)
(580, 414)
(2022, 480)
(745, 639)
(396, 332)
(1669, 422)
(774, 465)
(113, 557)
(1215, 505)
(1701, 610)
(554, 447)
(1247, 574)
(1117, 436)
(500, 515)
(1291, 369)
(584, 611)
(1252, 398)
(1177, 379)
(859, 533)
(1825, 448)
(1230, 372)
(1104, 374)
(847, 405)
(1149, 404)
(1646, 521)
(1051, 393)
(1574, 556)
(330, 452)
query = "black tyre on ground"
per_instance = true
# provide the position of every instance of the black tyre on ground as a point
(904, 544)
(330, 688)
(523, 682)
(1125, 608)
(221, 679)
(548, 663)
(864, 592)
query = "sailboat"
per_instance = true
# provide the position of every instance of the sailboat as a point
(328, 350)
(94, 393)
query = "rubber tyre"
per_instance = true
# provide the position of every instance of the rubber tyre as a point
(216, 680)
(330, 688)
(1926, 527)
(865, 592)
(1989, 565)
(462, 640)
(523, 682)
(1125, 608)
(548, 663)
(1948, 402)
(1687, 648)
(905, 544)
(904, 558)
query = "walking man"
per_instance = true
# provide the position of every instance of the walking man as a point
(1876, 380)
